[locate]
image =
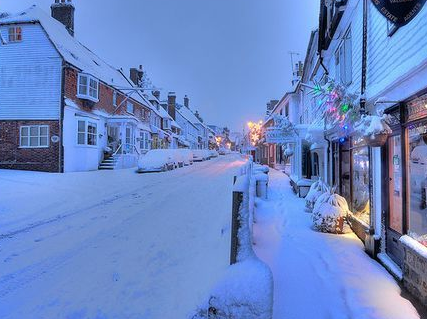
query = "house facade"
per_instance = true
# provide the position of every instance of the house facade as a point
(61, 109)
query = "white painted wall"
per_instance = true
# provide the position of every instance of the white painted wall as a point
(30, 76)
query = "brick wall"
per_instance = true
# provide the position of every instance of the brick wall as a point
(37, 159)
(105, 98)
(415, 273)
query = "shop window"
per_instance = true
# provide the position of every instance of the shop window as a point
(345, 190)
(417, 203)
(360, 183)
(395, 187)
(316, 164)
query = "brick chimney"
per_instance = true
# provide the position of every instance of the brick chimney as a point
(186, 102)
(156, 94)
(63, 11)
(172, 104)
(136, 75)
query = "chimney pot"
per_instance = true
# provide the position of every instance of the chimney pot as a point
(63, 11)
(186, 102)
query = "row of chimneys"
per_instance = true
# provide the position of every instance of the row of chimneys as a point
(136, 75)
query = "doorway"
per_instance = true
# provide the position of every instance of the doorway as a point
(394, 216)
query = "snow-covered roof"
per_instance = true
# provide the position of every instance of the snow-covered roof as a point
(188, 114)
(73, 51)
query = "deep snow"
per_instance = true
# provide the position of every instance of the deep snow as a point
(319, 275)
(113, 244)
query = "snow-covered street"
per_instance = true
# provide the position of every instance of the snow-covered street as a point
(113, 244)
(320, 275)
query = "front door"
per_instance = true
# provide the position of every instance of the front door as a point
(394, 220)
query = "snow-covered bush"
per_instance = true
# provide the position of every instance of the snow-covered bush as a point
(245, 292)
(329, 212)
(374, 129)
(316, 189)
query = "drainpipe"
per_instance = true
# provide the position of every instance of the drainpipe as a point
(364, 58)
(61, 120)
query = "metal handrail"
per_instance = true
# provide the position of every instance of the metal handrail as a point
(118, 149)
(134, 146)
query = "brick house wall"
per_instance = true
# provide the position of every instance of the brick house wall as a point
(36, 159)
(105, 98)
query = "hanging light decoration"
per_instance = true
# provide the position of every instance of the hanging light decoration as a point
(255, 132)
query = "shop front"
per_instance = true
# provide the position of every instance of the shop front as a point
(351, 177)
(405, 180)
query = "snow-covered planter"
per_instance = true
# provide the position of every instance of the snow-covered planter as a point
(374, 129)
(316, 189)
(329, 212)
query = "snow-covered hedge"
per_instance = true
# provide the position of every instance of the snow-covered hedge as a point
(316, 189)
(329, 212)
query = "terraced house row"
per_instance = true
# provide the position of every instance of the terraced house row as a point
(63, 108)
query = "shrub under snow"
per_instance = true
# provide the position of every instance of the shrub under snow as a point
(329, 212)
(317, 188)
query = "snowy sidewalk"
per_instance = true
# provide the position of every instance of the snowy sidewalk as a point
(320, 275)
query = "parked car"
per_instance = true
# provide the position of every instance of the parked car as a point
(200, 155)
(213, 153)
(188, 156)
(156, 161)
(177, 156)
(222, 151)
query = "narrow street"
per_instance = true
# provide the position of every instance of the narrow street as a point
(113, 244)
(318, 275)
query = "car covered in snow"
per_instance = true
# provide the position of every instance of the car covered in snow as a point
(177, 156)
(201, 155)
(156, 161)
(213, 153)
(188, 156)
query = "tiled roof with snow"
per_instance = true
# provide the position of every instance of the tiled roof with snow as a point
(189, 115)
(73, 51)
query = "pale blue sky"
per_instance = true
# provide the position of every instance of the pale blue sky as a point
(229, 56)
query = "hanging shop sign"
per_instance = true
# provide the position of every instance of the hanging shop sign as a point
(274, 135)
(417, 108)
(399, 12)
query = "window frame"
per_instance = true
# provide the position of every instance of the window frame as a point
(128, 103)
(344, 60)
(39, 136)
(16, 34)
(145, 141)
(86, 133)
(114, 98)
(88, 87)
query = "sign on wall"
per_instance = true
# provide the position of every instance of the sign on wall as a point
(399, 12)
(274, 135)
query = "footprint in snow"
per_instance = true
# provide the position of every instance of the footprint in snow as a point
(116, 277)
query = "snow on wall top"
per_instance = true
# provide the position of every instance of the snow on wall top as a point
(72, 51)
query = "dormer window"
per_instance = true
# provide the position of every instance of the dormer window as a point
(87, 87)
(15, 34)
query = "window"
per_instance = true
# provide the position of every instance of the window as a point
(417, 201)
(86, 133)
(343, 61)
(130, 107)
(145, 141)
(35, 136)
(115, 98)
(15, 34)
(166, 124)
(87, 87)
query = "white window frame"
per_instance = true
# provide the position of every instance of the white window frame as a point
(145, 141)
(39, 136)
(166, 124)
(91, 87)
(130, 107)
(86, 134)
(344, 60)
(15, 35)
(114, 98)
